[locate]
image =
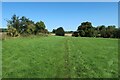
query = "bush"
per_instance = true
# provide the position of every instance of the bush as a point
(12, 32)
(60, 31)
(45, 31)
(75, 34)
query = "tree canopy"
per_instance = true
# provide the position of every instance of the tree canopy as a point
(87, 30)
(60, 31)
(25, 26)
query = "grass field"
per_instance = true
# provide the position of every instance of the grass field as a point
(60, 57)
(0, 58)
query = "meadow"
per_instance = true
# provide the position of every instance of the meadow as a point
(60, 57)
(0, 58)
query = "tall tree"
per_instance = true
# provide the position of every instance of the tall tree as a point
(40, 26)
(14, 22)
(102, 30)
(85, 25)
(110, 31)
(86, 29)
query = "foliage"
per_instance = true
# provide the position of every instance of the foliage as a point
(53, 31)
(25, 26)
(60, 31)
(117, 33)
(87, 30)
(31, 29)
(82, 33)
(12, 31)
(40, 27)
(15, 23)
(75, 34)
(85, 25)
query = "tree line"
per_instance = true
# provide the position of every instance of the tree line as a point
(87, 30)
(24, 26)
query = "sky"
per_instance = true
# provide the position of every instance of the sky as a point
(68, 15)
(60, 0)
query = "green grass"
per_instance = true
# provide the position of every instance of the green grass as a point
(60, 57)
(0, 59)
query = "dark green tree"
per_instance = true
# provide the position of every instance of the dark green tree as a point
(86, 29)
(110, 31)
(53, 31)
(40, 27)
(82, 33)
(84, 26)
(26, 26)
(102, 30)
(60, 31)
(117, 34)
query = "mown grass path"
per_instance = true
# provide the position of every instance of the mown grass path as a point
(66, 59)
(0, 58)
(60, 57)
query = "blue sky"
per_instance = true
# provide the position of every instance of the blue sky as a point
(69, 15)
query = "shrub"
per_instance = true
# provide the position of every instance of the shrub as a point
(75, 34)
(12, 32)
(60, 31)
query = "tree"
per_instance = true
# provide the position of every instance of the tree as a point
(96, 33)
(110, 31)
(14, 22)
(116, 33)
(53, 31)
(25, 26)
(102, 30)
(82, 33)
(60, 31)
(102, 27)
(40, 26)
(21, 25)
(86, 29)
(84, 26)
(90, 32)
